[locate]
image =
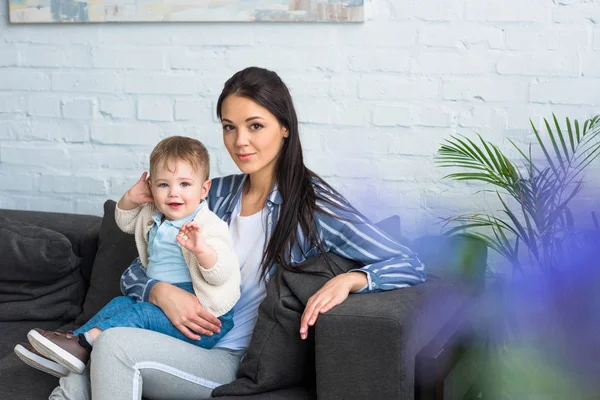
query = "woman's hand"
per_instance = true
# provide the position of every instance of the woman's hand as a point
(334, 292)
(184, 311)
(140, 193)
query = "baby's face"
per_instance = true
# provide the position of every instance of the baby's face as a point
(178, 189)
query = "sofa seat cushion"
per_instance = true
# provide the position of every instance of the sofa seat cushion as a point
(40, 278)
(19, 381)
(16, 332)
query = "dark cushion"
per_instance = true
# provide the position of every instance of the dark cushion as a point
(81, 230)
(40, 277)
(116, 250)
(277, 358)
(34, 254)
(391, 226)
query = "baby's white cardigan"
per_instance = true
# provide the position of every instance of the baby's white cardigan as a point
(217, 288)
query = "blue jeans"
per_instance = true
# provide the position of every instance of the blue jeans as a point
(123, 311)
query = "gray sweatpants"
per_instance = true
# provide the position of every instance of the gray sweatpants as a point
(129, 362)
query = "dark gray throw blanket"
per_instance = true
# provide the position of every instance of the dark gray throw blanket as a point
(277, 358)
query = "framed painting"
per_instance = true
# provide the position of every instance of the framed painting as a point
(97, 11)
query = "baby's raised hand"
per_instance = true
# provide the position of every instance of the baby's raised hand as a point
(190, 236)
(140, 193)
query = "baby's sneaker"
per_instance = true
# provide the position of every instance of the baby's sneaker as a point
(62, 347)
(31, 357)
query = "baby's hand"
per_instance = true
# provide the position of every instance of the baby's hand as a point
(140, 193)
(190, 237)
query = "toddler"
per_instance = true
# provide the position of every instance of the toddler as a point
(179, 241)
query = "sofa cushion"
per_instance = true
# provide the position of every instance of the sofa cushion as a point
(277, 358)
(15, 332)
(40, 277)
(116, 250)
(391, 226)
(81, 230)
(19, 381)
(34, 254)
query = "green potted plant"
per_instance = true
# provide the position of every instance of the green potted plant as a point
(542, 191)
(534, 230)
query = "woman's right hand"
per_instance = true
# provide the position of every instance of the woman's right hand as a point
(140, 193)
(184, 311)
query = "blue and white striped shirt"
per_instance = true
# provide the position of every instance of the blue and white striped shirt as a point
(388, 264)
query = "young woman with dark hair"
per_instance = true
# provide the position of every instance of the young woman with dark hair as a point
(279, 213)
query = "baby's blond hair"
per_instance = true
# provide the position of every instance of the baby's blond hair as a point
(180, 148)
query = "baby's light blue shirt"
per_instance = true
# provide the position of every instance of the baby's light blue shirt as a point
(165, 258)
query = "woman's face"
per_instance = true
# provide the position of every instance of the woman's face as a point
(252, 135)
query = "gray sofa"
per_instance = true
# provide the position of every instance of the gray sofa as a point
(59, 269)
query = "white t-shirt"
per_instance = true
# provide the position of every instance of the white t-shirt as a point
(248, 238)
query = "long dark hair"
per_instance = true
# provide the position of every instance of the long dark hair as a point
(296, 183)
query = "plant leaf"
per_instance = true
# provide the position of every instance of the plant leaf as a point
(561, 138)
(570, 130)
(556, 151)
(541, 143)
(515, 221)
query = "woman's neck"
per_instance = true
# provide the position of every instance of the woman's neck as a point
(256, 190)
(259, 183)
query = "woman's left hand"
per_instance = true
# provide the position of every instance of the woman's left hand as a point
(333, 293)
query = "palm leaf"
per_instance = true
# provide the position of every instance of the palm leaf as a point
(561, 138)
(541, 143)
(528, 159)
(489, 153)
(521, 231)
(556, 151)
(476, 150)
(513, 254)
(571, 139)
(477, 155)
(465, 176)
(558, 211)
(530, 231)
(464, 153)
(543, 193)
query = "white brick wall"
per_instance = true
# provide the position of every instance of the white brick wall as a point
(82, 106)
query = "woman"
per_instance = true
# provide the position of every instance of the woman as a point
(279, 213)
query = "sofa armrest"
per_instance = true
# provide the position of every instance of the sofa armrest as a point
(442, 354)
(366, 347)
